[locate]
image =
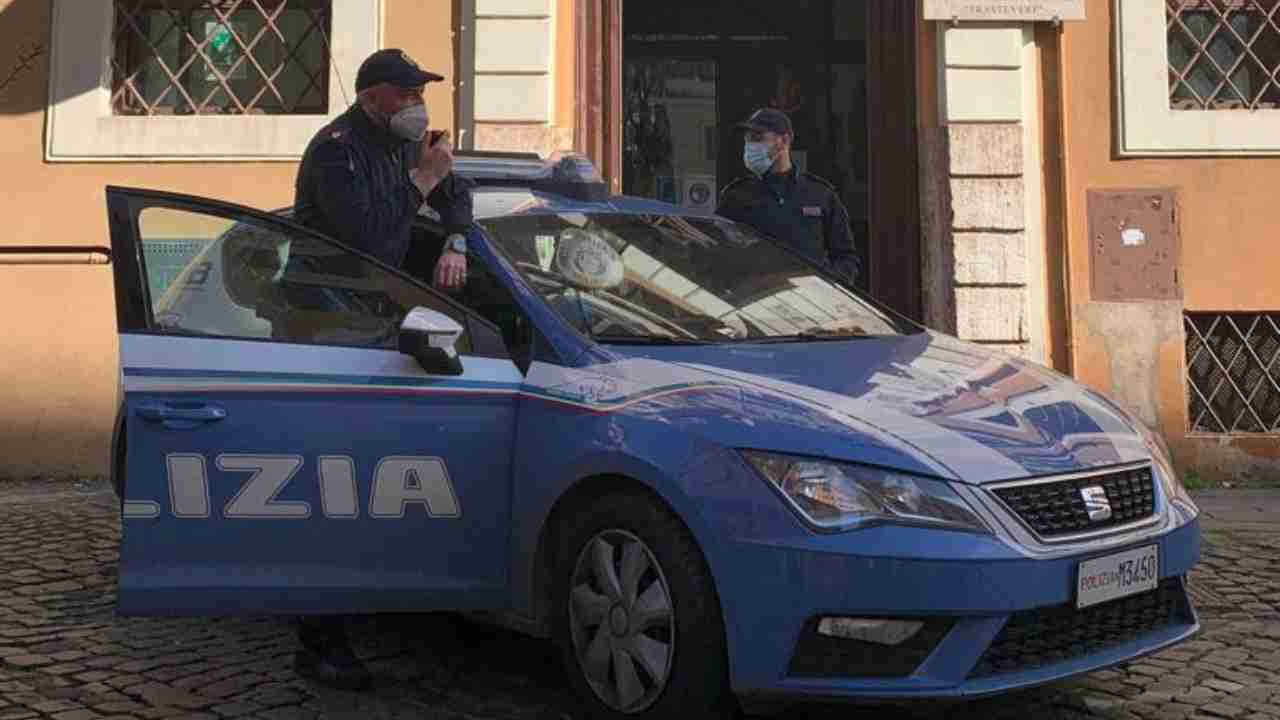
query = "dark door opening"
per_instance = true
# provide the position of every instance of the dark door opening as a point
(690, 69)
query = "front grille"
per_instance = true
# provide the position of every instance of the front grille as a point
(1045, 636)
(819, 656)
(1057, 508)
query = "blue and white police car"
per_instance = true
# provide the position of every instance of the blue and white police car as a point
(710, 471)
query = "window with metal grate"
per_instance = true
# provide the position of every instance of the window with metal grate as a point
(1233, 372)
(1223, 54)
(221, 57)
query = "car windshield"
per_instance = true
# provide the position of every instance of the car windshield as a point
(674, 279)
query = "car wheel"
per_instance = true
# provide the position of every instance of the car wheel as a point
(637, 615)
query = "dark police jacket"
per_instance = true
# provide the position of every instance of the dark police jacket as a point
(799, 210)
(353, 185)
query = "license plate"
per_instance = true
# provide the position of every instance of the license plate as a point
(1119, 575)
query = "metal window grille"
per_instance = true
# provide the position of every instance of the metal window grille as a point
(1233, 372)
(1223, 54)
(221, 57)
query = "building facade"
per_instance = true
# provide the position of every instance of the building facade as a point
(1088, 192)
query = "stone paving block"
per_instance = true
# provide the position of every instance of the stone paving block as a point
(1223, 685)
(124, 681)
(76, 715)
(1259, 692)
(1222, 710)
(1243, 676)
(121, 706)
(53, 706)
(1198, 696)
(28, 661)
(64, 669)
(104, 662)
(238, 709)
(158, 713)
(163, 695)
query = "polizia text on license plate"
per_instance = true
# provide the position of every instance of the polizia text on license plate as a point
(1119, 575)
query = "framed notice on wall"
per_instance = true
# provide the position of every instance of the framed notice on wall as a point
(1004, 10)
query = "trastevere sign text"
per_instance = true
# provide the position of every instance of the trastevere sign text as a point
(1004, 10)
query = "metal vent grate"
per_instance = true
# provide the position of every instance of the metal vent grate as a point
(1223, 54)
(221, 57)
(1233, 360)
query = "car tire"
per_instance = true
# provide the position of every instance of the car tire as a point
(611, 629)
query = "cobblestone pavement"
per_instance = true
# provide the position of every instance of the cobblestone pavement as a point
(64, 655)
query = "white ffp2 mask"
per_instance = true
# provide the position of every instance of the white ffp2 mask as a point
(410, 123)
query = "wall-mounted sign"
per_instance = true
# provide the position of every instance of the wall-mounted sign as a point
(1004, 10)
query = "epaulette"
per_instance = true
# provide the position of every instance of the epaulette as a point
(820, 181)
(341, 135)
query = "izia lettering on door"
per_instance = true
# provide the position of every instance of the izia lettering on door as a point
(398, 484)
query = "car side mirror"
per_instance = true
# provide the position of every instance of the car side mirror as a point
(429, 337)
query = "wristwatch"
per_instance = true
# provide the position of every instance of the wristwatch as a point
(457, 243)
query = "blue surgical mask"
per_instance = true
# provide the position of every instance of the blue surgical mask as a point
(755, 155)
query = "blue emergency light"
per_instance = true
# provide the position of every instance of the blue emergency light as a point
(569, 174)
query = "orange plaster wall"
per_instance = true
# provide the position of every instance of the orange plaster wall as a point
(1229, 254)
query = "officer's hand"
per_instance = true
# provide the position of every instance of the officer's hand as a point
(451, 270)
(436, 161)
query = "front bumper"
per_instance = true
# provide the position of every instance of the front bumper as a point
(1007, 621)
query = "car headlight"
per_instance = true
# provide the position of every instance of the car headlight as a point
(1179, 499)
(838, 496)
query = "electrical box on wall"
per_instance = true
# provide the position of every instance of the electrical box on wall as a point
(1133, 245)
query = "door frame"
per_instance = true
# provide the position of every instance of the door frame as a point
(894, 250)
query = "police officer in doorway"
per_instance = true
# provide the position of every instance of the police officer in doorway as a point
(362, 181)
(795, 208)
(364, 177)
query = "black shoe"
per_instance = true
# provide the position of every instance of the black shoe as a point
(337, 670)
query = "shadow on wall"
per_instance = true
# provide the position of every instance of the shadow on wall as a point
(25, 33)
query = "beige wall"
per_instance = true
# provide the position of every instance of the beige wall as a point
(58, 355)
(1135, 351)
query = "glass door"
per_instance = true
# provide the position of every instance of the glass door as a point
(694, 68)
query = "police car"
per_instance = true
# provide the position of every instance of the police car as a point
(712, 473)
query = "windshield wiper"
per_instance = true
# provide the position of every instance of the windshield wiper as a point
(647, 340)
(841, 333)
(815, 334)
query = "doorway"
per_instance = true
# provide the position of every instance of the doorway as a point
(676, 75)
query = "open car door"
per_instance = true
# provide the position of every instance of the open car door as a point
(282, 454)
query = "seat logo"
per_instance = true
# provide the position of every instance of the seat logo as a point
(1096, 503)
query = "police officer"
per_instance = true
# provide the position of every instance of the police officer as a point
(365, 176)
(363, 179)
(797, 209)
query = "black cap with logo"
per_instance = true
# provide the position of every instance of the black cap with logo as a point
(395, 67)
(768, 120)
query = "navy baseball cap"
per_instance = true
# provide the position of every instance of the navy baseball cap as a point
(768, 120)
(395, 67)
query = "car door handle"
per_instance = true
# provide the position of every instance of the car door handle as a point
(181, 413)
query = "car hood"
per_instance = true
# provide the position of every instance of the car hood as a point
(919, 403)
